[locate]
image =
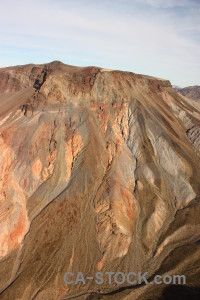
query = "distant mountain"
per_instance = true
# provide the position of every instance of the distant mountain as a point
(192, 92)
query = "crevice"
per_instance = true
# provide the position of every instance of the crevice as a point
(40, 80)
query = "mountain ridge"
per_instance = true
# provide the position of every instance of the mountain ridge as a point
(99, 172)
(191, 92)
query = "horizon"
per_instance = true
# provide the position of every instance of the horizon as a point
(150, 37)
(46, 63)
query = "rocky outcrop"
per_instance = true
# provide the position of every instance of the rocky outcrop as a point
(99, 172)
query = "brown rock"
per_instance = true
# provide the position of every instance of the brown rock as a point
(99, 172)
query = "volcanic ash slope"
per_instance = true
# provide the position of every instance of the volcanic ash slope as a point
(99, 172)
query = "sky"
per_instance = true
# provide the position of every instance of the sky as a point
(160, 38)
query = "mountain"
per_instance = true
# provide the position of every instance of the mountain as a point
(192, 92)
(99, 173)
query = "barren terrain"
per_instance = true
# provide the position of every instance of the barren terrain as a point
(99, 172)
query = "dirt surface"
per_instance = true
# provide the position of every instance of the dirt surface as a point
(191, 92)
(99, 172)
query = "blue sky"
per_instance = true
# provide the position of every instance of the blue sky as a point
(155, 37)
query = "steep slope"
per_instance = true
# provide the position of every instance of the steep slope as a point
(99, 172)
(191, 92)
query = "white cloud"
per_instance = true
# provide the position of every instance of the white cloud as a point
(168, 3)
(126, 37)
